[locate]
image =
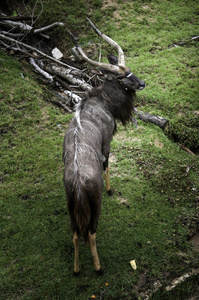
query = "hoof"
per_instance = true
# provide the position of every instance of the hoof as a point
(110, 192)
(76, 273)
(100, 272)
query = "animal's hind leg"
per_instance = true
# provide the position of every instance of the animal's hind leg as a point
(92, 243)
(76, 244)
(106, 169)
(108, 187)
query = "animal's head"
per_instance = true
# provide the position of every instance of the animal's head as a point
(116, 65)
(125, 77)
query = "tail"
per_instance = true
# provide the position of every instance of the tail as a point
(86, 205)
(82, 210)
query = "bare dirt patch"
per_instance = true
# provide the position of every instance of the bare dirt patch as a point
(145, 7)
(112, 4)
(158, 144)
(112, 158)
(109, 3)
(121, 135)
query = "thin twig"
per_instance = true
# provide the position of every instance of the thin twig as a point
(60, 104)
(36, 50)
(100, 54)
(186, 149)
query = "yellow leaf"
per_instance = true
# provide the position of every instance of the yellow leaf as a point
(133, 264)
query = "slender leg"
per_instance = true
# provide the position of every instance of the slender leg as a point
(76, 244)
(106, 169)
(108, 187)
(92, 243)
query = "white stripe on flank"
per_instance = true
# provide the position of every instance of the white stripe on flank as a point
(101, 110)
(90, 132)
(68, 148)
(92, 150)
(92, 125)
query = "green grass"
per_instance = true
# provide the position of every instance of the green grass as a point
(154, 209)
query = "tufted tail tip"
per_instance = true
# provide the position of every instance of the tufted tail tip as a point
(100, 272)
(110, 192)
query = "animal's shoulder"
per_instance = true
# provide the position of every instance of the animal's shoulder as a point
(96, 108)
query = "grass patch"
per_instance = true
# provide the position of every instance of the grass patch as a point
(157, 180)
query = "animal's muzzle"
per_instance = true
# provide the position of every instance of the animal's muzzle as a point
(141, 85)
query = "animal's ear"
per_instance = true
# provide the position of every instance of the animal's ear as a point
(113, 60)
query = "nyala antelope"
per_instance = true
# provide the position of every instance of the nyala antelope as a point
(87, 145)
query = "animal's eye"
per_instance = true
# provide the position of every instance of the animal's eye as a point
(120, 76)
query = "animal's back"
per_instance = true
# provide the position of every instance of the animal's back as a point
(84, 142)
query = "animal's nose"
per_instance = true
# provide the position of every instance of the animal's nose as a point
(142, 84)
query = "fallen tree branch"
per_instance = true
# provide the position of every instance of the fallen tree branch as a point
(66, 74)
(186, 149)
(185, 42)
(73, 97)
(159, 121)
(181, 279)
(49, 26)
(26, 27)
(35, 50)
(14, 35)
(16, 49)
(190, 40)
(14, 24)
(60, 104)
(39, 70)
(62, 83)
(69, 98)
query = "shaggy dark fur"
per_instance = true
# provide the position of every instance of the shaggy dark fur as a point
(97, 113)
(87, 147)
(117, 100)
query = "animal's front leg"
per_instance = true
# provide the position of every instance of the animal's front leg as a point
(76, 244)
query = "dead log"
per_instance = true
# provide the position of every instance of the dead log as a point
(163, 123)
(39, 70)
(159, 121)
(62, 83)
(67, 74)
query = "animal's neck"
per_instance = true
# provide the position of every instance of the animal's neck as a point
(117, 100)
